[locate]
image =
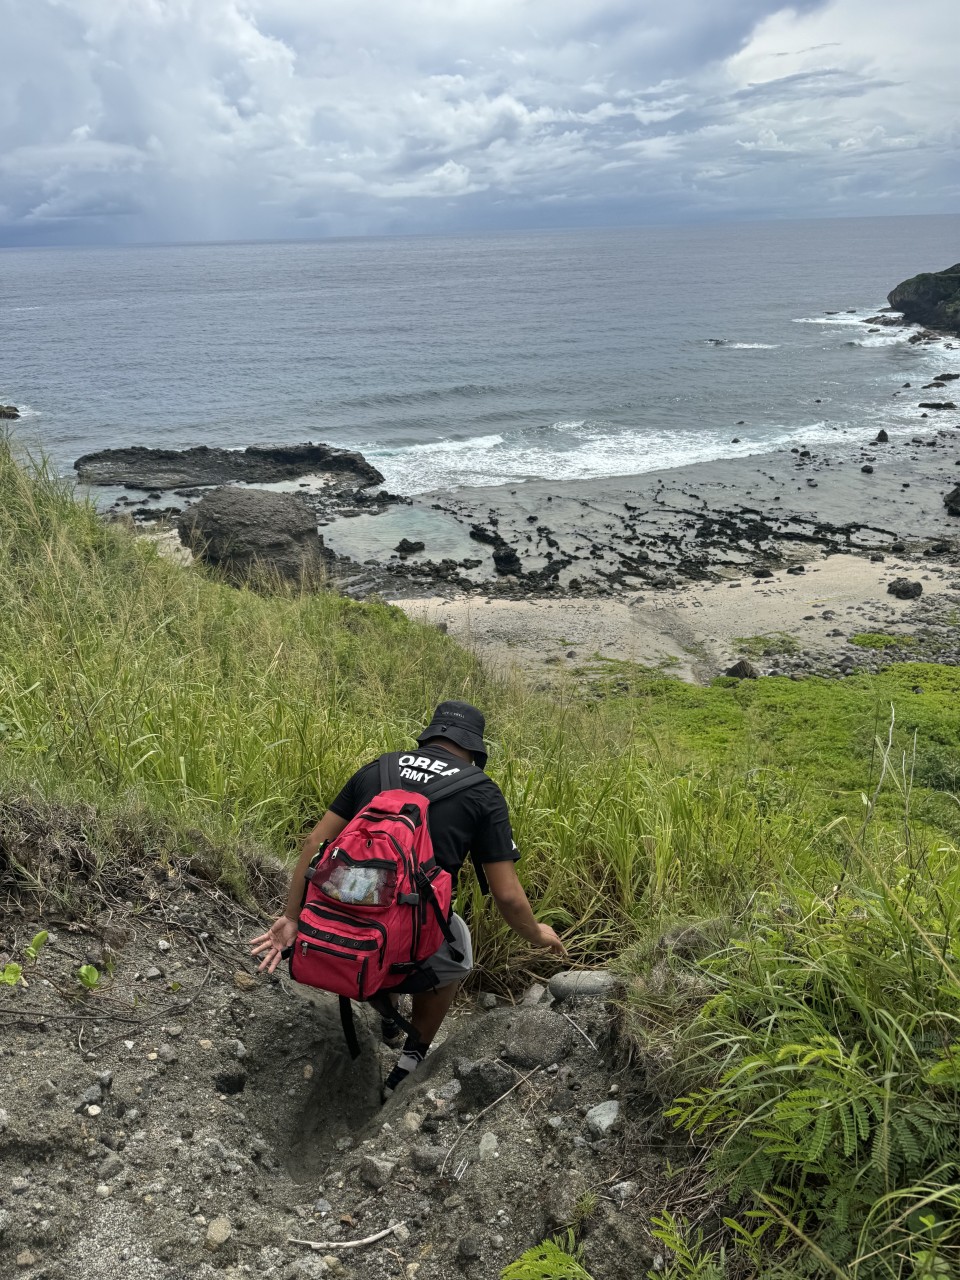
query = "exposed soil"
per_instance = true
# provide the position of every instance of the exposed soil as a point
(190, 1118)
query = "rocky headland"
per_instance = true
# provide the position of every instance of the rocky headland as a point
(931, 299)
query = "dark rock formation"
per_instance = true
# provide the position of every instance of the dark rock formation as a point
(743, 670)
(242, 530)
(932, 298)
(259, 464)
(904, 589)
(882, 437)
(9, 411)
(937, 404)
(407, 548)
(506, 559)
(951, 501)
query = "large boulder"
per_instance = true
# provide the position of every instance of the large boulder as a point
(951, 501)
(931, 299)
(9, 411)
(259, 464)
(243, 531)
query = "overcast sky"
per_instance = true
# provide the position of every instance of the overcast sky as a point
(143, 120)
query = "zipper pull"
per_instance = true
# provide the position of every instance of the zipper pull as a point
(303, 948)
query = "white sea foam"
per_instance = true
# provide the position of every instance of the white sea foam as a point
(27, 411)
(591, 454)
(742, 346)
(857, 318)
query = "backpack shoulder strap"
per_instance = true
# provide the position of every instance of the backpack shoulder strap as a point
(468, 776)
(390, 779)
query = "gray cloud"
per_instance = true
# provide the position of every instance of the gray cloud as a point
(126, 120)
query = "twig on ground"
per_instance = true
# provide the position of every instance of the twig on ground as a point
(349, 1244)
(580, 1029)
(481, 1114)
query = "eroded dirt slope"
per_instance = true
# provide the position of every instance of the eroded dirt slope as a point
(189, 1118)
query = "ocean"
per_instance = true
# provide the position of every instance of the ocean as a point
(474, 360)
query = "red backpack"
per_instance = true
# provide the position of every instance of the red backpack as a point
(377, 903)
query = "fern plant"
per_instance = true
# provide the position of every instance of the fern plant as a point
(828, 1053)
(554, 1259)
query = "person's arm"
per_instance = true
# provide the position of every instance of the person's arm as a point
(514, 906)
(283, 931)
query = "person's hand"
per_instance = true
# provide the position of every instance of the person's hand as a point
(271, 944)
(550, 941)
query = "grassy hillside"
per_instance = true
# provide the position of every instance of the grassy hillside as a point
(803, 1037)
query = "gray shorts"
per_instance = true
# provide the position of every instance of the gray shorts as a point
(443, 968)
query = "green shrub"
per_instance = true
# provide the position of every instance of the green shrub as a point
(877, 640)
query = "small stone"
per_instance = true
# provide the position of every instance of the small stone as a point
(588, 982)
(167, 1053)
(489, 1147)
(4, 1120)
(533, 995)
(323, 1207)
(374, 1172)
(622, 1191)
(27, 1259)
(427, 1159)
(175, 1031)
(94, 1111)
(244, 981)
(163, 945)
(105, 1079)
(602, 1118)
(152, 974)
(488, 1000)
(103, 1191)
(219, 1232)
(469, 1248)
(19, 1185)
(111, 1168)
(205, 1045)
(904, 589)
(239, 1049)
(308, 1072)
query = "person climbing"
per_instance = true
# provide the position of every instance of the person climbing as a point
(471, 821)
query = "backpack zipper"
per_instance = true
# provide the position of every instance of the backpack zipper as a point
(339, 854)
(384, 815)
(325, 913)
(349, 944)
(361, 976)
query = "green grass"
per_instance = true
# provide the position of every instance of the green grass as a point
(149, 712)
(879, 640)
(769, 642)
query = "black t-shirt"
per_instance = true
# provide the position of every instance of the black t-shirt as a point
(474, 822)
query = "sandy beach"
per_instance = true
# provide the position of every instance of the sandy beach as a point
(694, 631)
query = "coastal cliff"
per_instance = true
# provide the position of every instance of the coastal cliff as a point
(931, 298)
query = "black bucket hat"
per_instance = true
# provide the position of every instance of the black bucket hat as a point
(462, 724)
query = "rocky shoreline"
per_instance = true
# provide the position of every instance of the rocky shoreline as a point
(644, 539)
